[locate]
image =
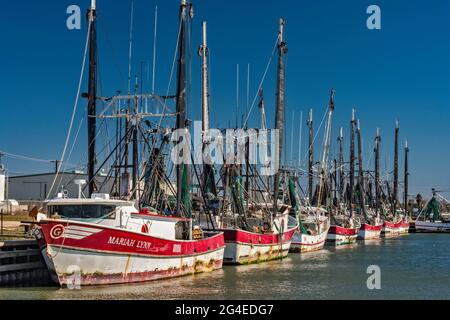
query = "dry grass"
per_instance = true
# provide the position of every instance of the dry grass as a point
(15, 232)
(23, 216)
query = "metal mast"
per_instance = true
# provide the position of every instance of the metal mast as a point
(208, 174)
(181, 91)
(311, 155)
(262, 110)
(92, 96)
(377, 172)
(326, 146)
(135, 177)
(352, 160)
(341, 164)
(360, 170)
(395, 196)
(280, 95)
(406, 177)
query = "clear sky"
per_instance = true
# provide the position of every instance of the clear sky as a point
(401, 71)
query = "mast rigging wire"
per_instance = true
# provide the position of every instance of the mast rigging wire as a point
(74, 109)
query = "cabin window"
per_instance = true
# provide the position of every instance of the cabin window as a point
(84, 211)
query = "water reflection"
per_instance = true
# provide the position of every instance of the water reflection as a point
(414, 266)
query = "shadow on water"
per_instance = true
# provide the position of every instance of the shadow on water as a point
(412, 267)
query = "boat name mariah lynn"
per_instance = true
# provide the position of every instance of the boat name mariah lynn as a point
(129, 242)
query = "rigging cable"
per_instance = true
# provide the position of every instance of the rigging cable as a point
(262, 81)
(74, 109)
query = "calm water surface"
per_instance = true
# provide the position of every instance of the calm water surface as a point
(415, 266)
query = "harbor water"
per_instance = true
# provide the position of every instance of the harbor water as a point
(414, 266)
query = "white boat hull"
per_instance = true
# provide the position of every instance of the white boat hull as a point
(369, 232)
(437, 227)
(307, 243)
(240, 253)
(96, 268)
(339, 236)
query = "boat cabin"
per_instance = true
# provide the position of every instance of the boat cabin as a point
(118, 214)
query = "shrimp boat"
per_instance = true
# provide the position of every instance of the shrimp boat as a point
(431, 219)
(313, 231)
(393, 226)
(256, 242)
(405, 225)
(343, 231)
(100, 240)
(256, 229)
(370, 231)
(391, 229)
(103, 241)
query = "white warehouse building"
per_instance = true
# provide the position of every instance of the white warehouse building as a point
(35, 187)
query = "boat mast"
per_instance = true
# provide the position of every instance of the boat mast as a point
(262, 110)
(135, 177)
(92, 96)
(181, 93)
(406, 176)
(341, 164)
(326, 147)
(377, 172)
(311, 156)
(208, 174)
(352, 161)
(360, 170)
(279, 115)
(395, 195)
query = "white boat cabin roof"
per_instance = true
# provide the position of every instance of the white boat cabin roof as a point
(75, 201)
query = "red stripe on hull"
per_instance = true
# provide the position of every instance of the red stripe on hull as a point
(370, 227)
(107, 239)
(245, 237)
(243, 247)
(343, 231)
(392, 225)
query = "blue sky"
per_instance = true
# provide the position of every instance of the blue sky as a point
(400, 71)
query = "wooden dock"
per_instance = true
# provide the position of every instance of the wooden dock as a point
(22, 265)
